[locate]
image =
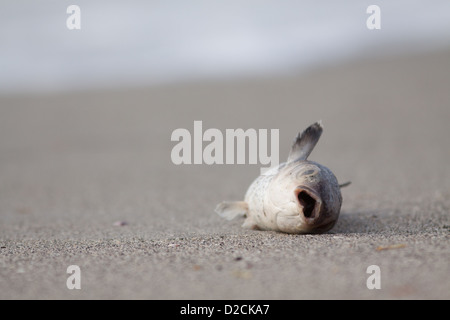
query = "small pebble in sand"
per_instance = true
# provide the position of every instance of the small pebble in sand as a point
(392, 246)
(242, 274)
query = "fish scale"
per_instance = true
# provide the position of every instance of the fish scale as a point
(255, 194)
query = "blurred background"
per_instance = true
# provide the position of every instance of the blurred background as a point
(154, 42)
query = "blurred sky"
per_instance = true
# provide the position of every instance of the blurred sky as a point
(140, 42)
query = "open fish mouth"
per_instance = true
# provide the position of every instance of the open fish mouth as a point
(309, 202)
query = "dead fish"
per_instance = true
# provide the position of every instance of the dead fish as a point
(298, 196)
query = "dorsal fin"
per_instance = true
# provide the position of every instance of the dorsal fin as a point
(304, 142)
(343, 185)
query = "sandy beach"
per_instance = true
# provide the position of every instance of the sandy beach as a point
(75, 166)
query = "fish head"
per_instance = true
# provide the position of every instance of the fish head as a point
(312, 199)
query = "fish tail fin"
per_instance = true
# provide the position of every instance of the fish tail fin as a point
(232, 209)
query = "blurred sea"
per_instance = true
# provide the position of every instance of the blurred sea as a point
(138, 42)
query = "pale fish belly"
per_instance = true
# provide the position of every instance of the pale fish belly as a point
(255, 200)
